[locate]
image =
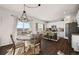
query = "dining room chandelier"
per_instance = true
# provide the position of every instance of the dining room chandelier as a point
(24, 17)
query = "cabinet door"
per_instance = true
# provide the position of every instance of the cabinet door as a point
(75, 42)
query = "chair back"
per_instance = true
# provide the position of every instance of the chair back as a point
(11, 36)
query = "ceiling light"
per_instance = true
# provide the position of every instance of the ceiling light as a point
(24, 17)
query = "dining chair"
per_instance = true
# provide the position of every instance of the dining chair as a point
(36, 45)
(16, 45)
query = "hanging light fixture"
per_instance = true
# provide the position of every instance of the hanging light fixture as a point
(24, 17)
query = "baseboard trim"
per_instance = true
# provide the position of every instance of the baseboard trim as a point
(5, 45)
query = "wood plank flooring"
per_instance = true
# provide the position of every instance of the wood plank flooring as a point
(49, 47)
(4, 49)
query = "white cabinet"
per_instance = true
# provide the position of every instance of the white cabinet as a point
(60, 34)
(75, 42)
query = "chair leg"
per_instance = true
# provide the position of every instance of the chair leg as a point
(40, 47)
(34, 50)
(13, 51)
(24, 49)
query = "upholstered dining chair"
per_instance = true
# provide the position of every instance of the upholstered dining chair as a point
(16, 45)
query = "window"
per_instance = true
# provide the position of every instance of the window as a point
(40, 27)
(23, 28)
(23, 25)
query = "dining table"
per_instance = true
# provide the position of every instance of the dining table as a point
(28, 41)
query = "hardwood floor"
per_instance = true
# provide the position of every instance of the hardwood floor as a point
(49, 47)
(4, 49)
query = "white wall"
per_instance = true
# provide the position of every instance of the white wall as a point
(8, 26)
(75, 42)
(59, 24)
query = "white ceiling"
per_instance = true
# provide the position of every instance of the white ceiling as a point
(47, 12)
